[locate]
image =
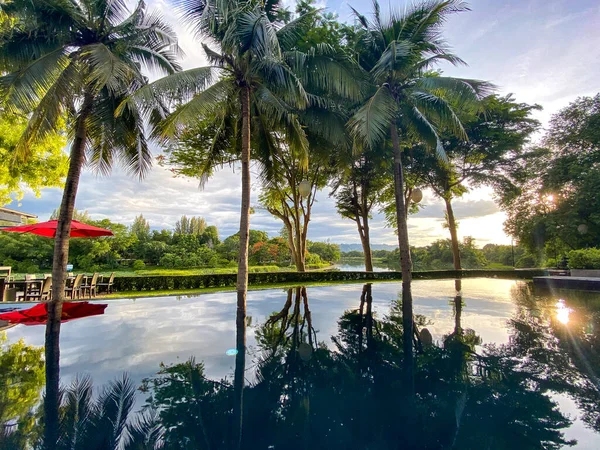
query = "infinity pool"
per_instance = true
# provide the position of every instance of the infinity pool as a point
(528, 360)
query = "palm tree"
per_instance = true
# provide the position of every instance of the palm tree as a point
(79, 59)
(253, 86)
(398, 52)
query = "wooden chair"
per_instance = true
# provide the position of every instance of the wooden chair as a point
(107, 285)
(75, 289)
(91, 286)
(5, 272)
(45, 291)
(7, 294)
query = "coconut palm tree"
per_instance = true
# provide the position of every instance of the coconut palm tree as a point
(79, 59)
(408, 103)
(253, 86)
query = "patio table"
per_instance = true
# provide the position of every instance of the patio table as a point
(25, 286)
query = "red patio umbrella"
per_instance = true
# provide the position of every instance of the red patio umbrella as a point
(38, 314)
(48, 229)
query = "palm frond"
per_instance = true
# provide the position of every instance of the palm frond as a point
(437, 108)
(105, 68)
(23, 89)
(50, 109)
(395, 52)
(289, 34)
(419, 128)
(254, 32)
(113, 407)
(282, 78)
(180, 86)
(371, 123)
(145, 432)
(463, 89)
(205, 102)
(76, 411)
(323, 69)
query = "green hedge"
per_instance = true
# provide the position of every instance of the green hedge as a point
(588, 258)
(179, 282)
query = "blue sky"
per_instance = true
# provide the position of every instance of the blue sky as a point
(543, 51)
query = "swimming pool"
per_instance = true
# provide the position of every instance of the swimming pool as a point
(324, 372)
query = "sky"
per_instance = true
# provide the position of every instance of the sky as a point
(543, 51)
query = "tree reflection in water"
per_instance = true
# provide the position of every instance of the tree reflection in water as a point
(347, 392)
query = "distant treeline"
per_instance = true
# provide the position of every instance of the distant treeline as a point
(438, 256)
(193, 243)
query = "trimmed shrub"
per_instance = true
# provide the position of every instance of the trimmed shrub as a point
(588, 258)
(179, 282)
(138, 264)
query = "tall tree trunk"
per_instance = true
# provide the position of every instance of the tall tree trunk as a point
(300, 244)
(242, 276)
(405, 263)
(365, 240)
(366, 235)
(453, 234)
(59, 277)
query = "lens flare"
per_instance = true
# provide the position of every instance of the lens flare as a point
(562, 312)
(231, 352)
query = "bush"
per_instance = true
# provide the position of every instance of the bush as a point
(312, 259)
(588, 258)
(175, 282)
(525, 261)
(138, 264)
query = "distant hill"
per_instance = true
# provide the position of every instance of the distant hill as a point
(352, 247)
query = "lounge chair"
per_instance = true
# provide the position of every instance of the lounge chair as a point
(106, 285)
(90, 287)
(75, 289)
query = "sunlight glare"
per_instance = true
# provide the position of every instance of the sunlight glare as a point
(562, 312)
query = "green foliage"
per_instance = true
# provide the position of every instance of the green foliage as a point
(265, 275)
(192, 225)
(141, 229)
(588, 258)
(557, 206)
(186, 400)
(45, 166)
(438, 255)
(21, 378)
(138, 264)
(325, 250)
(359, 254)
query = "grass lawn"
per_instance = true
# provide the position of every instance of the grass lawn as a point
(157, 271)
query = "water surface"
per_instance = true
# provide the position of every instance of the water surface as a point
(508, 366)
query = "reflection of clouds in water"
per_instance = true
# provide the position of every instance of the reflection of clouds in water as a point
(135, 336)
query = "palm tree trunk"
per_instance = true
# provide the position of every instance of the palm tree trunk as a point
(59, 277)
(242, 276)
(453, 234)
(405, 263)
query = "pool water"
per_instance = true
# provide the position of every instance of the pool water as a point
(507, 367)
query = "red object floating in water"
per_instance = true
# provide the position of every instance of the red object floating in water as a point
(38, 314)
(48, 229)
